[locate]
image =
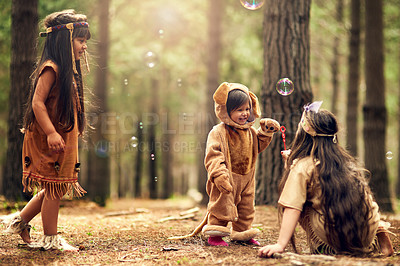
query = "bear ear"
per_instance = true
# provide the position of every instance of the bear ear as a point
(254, 104)
(221, 94)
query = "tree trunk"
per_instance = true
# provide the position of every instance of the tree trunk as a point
(375, 117)
(24, 31)
(353, 79)
(336, 57)
(139, 160)
(398, 147)
(153, 179)
(286, 55)
(166, 122)
(215, 14)
(123, 186)
(167, 180)
(99, 167)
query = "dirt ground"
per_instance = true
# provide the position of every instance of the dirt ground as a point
(135, 232)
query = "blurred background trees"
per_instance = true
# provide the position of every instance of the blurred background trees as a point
(150, 99)
(24, 18)
(98, 174)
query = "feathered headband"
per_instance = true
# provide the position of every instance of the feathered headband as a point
(314, 107)
(70, 27)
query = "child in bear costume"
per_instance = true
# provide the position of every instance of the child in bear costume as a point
(230, 160)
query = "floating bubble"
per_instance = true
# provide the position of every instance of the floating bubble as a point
(179, 82)
(389, 155)
(161, 33)
(102, 149)
(284, 86)
(125, 82)
(133, 142)
(252, 4)
(150, 59)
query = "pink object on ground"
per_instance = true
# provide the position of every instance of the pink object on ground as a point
(216, 241)
(253, 242)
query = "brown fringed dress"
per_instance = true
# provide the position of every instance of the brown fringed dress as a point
(43, 168)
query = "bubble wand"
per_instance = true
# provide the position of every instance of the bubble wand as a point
(283, 129)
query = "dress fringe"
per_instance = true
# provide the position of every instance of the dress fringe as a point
(54, 189)
(318, 246)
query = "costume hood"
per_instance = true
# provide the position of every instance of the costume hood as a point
(220, 98)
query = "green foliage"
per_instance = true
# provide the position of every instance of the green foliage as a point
(392, 82)
(5, 46)
(47, 7)
(242, 46)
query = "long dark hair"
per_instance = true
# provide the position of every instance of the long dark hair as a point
(346, 205)
(57, 48)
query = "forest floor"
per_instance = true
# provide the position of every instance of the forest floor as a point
(136, 231)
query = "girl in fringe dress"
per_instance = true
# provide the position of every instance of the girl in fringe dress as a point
(53, 121)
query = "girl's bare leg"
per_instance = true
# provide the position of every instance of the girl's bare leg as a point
(31, 209)
(50, 208)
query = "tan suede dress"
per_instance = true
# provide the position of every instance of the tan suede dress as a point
(43, 168)
(302, 192)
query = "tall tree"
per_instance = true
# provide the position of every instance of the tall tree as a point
(353, 79)
(286, 55)
(375, 115)
(153, 179)
(139, 160)
(336, 57)
(99, 167)
(166, 140)
(24, 31)
(398, 147)
(215, 15)
(167, 159)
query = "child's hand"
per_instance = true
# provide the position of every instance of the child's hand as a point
(223, 184)
(285, 154)
(270, 250)
(55, 142)
(269, 125)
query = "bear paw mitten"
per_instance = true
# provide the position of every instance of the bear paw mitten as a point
(269, 126)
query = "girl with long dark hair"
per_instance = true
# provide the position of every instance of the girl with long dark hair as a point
(325, 189)
(54, 118)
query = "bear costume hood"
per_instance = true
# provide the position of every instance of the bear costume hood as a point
(221, 96)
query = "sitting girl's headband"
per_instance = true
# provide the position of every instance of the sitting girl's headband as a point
(70, 27)
(314, 107)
